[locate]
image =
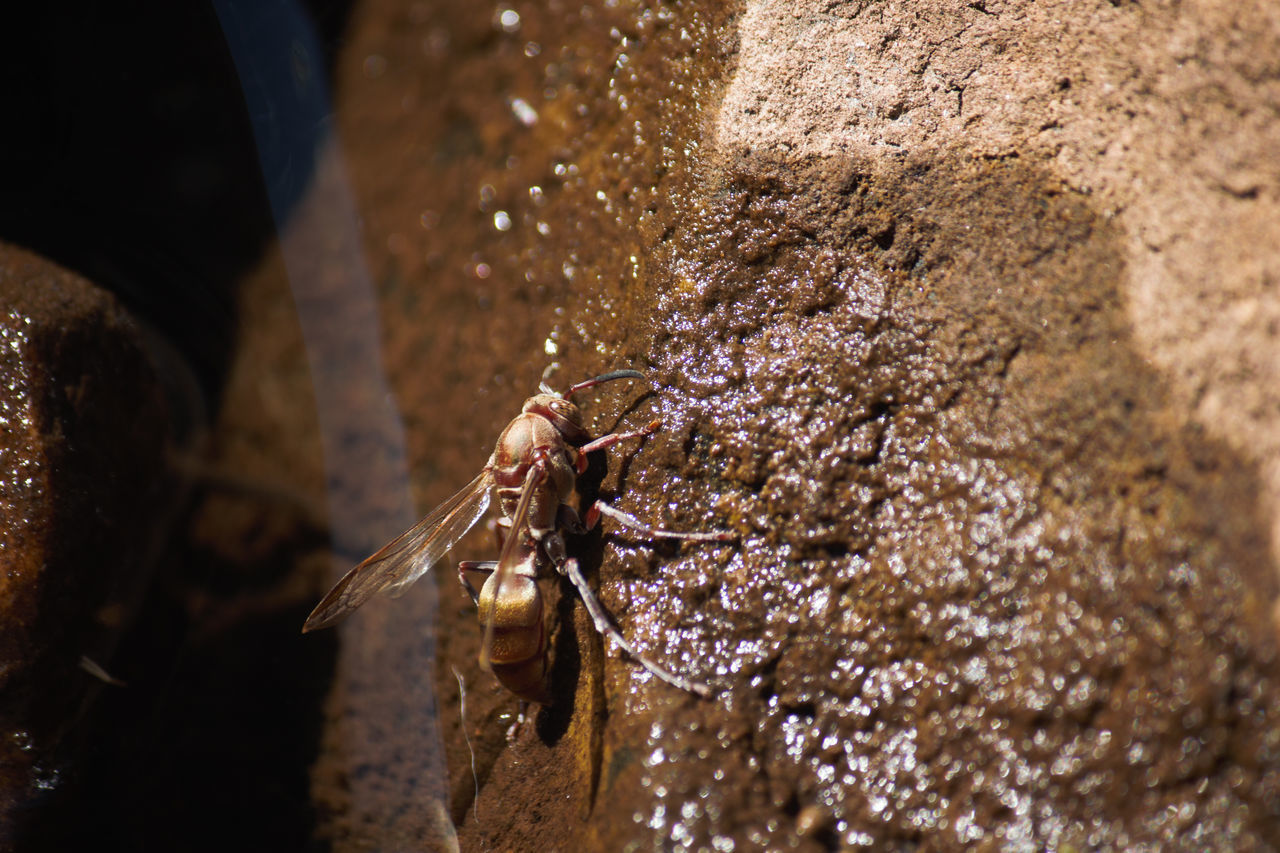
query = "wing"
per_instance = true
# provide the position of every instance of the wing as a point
(519, 527)
(407, 557)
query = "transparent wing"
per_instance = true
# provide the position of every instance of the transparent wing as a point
(519, 527)
(407, 557)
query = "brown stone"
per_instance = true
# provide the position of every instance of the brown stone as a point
(947, 310)
(960, 314)
(85, 497)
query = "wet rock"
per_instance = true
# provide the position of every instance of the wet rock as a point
(997, 583)
(85, 496)
(990, 591)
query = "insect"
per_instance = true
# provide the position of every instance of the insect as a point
(533, 471)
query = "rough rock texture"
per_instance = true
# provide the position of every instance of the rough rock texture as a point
(85, 497)
(962, 316)
(958, 315)
(1163, 116)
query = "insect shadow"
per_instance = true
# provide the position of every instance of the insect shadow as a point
(565, 675)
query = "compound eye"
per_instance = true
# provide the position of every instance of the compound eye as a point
(562, 407)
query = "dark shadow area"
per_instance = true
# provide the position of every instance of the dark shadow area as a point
(553, 720)
(129, 157)
(208, 742)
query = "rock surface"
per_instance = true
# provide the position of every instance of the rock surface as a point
(945, 311)
(963, 318)
(85, 496)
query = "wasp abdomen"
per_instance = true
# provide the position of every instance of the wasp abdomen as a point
(517, 650)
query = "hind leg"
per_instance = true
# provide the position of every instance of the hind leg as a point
(605, 626)
(600, 508)
(484, 568)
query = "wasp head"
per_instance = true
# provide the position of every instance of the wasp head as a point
(565, 416)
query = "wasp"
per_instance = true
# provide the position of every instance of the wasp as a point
(533, 472)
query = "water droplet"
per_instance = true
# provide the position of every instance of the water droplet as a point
(509, 20)
(523, 112)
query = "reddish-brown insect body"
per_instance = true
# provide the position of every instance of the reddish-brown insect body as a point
(533, 471)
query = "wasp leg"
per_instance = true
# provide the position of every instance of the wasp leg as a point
(600, 508)
(501, 529)
(611, 439)
(605, 626)
(481, 567)
(567, 518)
(522, 715)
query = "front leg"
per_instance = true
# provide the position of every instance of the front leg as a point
(604, 441)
